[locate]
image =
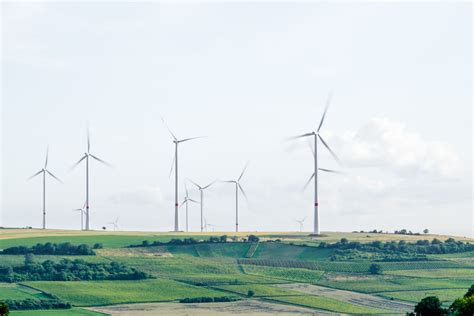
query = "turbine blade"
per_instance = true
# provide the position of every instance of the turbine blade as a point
(330, 150)
(35, 175)
(207, 186)
(300, 136)
(100, 160)
(172, 165)
(182, 203)
(243, 192)
(329, 170)
(186, 139)
(46, 160)
(52, 175)
(310, 145)
(307, 182)
(193, 201)
(198, 186)
(88, 140)
(325, 111)
(243, 171)
(169, 130)
(75, 165)
(186, 189)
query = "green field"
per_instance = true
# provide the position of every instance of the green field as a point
(65, 312)
(93, 293)
(234, 268)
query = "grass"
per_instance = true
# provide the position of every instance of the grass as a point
(377, 284)
(465, 274)
(445, 295)
(328, 304)
(285, 251)
(292, 274)
(57, 312)
(9, 291)
(95, 293)
(260, 290)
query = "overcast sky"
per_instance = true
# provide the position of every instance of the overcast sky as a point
(248, 76)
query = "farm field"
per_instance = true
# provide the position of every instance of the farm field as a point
(286, 273)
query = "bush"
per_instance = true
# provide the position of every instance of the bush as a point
(250, 293)
(51, 249)
(32, 304)
(375, 269)
(4, 309)
(252, 238)
(429, 306)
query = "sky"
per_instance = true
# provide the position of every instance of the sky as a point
(248, 76)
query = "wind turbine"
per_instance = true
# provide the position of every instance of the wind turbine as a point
(201, 191)
(208, 225)
(237, 188)
(82, 210)
(316, 135)
(86, 156)
(45, 171)
(176, 142)
(186, 200)
(301, 222)
(115, 223)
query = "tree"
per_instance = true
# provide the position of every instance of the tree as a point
(250, 293)
(375, 269)
(469, 292)
(4, 309)
(429, 306)
(29, 259)
(253, 238)
(426, 231)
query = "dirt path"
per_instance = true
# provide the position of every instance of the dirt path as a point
(244, 307)
(350, 297)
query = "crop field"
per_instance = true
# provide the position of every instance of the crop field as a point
(66, 312)
(283, 273)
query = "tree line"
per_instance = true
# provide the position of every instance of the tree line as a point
(192, 241)
(53, 249)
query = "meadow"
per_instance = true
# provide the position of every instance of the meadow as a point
(270, 268)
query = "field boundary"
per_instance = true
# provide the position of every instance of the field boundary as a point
(251, 251)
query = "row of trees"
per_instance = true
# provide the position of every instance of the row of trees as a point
(192, 241)
(209, 299)
(69, 270)
(53, 249)
(434, 246)
(32, 304)
(431, 306)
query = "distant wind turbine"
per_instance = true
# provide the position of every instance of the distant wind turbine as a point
(176, 141)
(115, 223)
(86, 157)
(83, 211)
(201, 191)
(206, 225)
(186, 200)
(301, 222)
(237, 188)
(45, 171)
(316, 135)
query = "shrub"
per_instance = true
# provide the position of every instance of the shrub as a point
(429, 306)
(375, 269)
(250, 293)
(4, 309)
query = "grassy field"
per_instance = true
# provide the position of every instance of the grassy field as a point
(93, 293)
(274, 271)
(65, 312)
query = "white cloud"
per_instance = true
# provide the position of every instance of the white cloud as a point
(390, 145)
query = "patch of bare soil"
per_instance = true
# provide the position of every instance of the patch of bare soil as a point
(244, 307)
(350, 297)
(135, 252)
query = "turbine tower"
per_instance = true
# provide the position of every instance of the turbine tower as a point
(301, 222)
(186, 200)
(176, 142)
(237, 188)
(86, 156)
(82, 210)
(316, 135)
(201, 191)
(45, 171)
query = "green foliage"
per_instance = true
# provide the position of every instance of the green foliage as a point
(33, 304)
(4, 309)
(70, 270)
(252, 238)
(209, 299)
(250, 293)
(50, 249)
(375, 269)
(463, 306)
(429, 306)
(29, 259)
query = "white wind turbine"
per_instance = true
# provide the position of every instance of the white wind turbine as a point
(316, 135)
(83, 211)
(115, 223)
(186, 200)
(201, 191)
(237, 188)
(45, 171)
(176, 141)
(206, 225)
(86, 157)
(301, 222)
